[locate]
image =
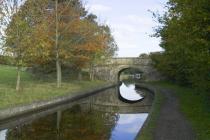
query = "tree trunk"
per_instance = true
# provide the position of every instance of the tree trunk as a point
(91, 73)
(91, 77)
(80, 75)
(59, 73)
(18, 79)
(58, 65)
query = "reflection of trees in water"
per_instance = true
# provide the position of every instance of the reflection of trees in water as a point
(88, 124)
(73, 124)
(39, 130)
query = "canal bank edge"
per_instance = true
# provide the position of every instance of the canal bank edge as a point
(147, 129)
(43, 105)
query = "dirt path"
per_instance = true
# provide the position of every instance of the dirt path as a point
(171, 124)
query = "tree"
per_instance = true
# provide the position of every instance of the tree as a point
(78, 38)
(9, 10)
(66, 13)
(185, 37)
(20, 23)
(107, 49)
(61, 32)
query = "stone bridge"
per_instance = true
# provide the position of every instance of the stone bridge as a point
(111, 69)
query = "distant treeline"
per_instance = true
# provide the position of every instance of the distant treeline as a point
(7, 60)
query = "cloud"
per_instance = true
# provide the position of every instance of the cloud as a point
(142, 21)
(157, 7)
(131, 23)
(124, 27)
(95, 8)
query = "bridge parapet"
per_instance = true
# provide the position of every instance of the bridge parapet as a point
(128, 61)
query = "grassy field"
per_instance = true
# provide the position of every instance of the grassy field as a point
(194, 105)
(35, 90)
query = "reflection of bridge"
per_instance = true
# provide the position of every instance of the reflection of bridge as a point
(108, 101)
(111, 69)
(118, 109)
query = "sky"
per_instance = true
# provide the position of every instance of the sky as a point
(131, 23)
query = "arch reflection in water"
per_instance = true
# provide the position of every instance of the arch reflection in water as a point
(3, 134)
(100, 117)
(129, 93)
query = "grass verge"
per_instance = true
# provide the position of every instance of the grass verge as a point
(150, 124)
(34, 90)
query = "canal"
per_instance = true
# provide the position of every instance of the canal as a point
(114, 114)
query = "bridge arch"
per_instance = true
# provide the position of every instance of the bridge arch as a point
(123, 68)
(110, 70)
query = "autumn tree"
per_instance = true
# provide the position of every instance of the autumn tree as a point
(63, 17)
(78, 37)
(97, 45)
(61, 32)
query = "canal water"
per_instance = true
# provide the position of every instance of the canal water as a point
(103, 116)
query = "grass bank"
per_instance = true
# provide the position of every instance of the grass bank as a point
(35, 90)
(194, 105)
(149, 126)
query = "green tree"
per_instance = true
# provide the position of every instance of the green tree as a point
(185, 37)
(12, 32)
(20, 23)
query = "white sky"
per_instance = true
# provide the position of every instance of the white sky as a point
(131, 23)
